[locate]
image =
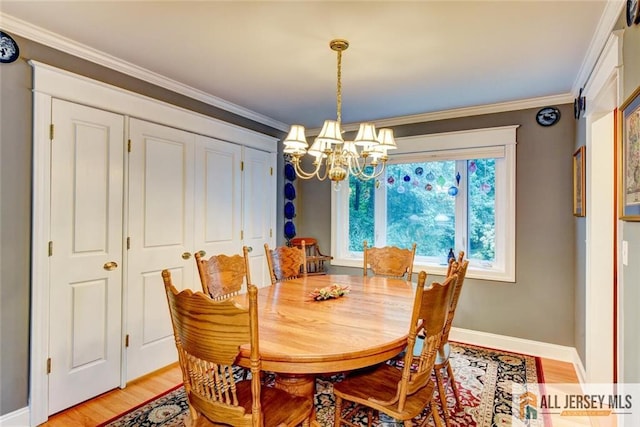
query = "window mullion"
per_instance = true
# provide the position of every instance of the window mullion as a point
(380, 211)
(462, 217)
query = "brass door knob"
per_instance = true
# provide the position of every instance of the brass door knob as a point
(249, 248)
(202, 253)
(186, 255)
(111, 265)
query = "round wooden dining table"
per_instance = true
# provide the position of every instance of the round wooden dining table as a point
(301, 337)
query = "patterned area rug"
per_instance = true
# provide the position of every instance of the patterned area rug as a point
(485, 379)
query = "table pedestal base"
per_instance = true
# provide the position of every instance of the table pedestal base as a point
(300, 385)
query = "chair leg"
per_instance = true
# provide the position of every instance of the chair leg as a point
(192, 418)
(443, 396)
(338, 414)
(434, 413)
(369, 417)
(453, 385)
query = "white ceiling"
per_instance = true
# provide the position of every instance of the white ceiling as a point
(273, 58)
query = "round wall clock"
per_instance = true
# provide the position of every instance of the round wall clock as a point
(633, 12)
(9, 50)
(548, 116)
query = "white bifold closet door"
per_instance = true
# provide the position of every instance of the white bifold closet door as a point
(160, 233)
(85, 285)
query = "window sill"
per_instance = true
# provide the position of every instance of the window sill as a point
(473, 272)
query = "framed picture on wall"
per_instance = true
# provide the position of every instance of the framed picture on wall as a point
(578, 182)
(629, 158)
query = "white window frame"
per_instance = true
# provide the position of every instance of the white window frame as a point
(497, 142)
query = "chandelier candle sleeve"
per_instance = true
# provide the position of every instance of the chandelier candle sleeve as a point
(364, 157)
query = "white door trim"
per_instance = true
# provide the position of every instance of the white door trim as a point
(38, 381)
(602, 94)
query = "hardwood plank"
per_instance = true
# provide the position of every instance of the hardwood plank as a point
(556, 371)
(115, 402)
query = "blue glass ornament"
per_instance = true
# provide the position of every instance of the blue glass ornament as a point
(289, 191)
(407, 178)
(289, 230)
(451, 255)
(419, 171)
(289, 210)
(430, 176)
(453, 191)
(458, 178)
(289, 172)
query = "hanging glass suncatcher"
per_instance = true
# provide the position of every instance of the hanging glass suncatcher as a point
(289, 206)
(427, 180)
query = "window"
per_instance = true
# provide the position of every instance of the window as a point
(443, 191)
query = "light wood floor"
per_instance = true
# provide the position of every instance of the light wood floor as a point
(113, 403)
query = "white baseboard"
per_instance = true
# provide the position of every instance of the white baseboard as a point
(19, 418)
(519, 345)
(580, 370)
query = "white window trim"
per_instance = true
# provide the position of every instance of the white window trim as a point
(494, 140)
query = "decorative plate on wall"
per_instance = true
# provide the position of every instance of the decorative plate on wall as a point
(9, 50)
(633, 12)
(548, 116)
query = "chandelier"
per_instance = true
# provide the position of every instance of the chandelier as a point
(364, 157)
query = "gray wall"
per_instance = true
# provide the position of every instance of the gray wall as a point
(630, 231)
(15, 200)
(15, 211)
(539, 306)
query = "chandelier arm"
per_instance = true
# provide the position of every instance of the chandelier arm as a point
(306, 175)
(359, 170)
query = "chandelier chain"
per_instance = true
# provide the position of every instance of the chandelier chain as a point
(339, 88)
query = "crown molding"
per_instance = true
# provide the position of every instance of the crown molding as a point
(605, 27)
(501, 107)
(55, 41)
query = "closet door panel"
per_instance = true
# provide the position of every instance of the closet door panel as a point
(218, 201)
(161, 229)
(85, 285)
(259, 199)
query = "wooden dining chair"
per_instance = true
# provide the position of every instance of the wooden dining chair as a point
(315, 257)
(222, 276)
(402, 393)
(442, 359)
(208, 335)
(285, 262)
(456, 267)
(390, 261)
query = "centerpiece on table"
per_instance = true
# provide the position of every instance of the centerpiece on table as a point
(329, 292)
